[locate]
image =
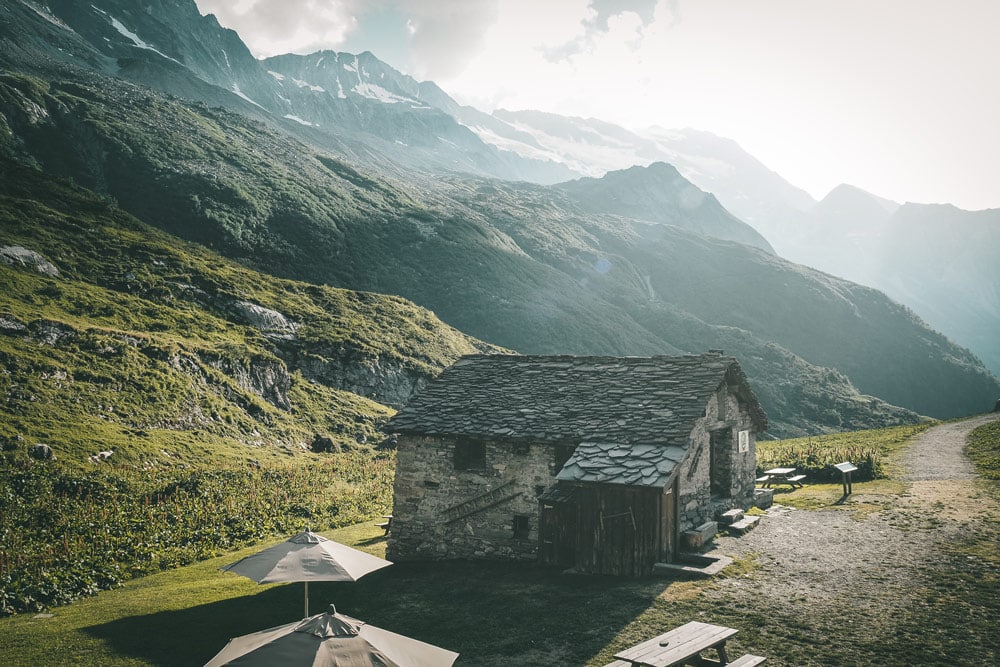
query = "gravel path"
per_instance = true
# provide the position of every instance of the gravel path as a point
(937, 452)
(859, 563)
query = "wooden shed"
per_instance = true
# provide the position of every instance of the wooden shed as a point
(590, 463)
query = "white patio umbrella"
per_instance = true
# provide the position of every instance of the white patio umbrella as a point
(307, 557)
(331, 640)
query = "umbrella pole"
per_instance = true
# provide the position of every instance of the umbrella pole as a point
(306, 615)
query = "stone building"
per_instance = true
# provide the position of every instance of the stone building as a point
(593, 463)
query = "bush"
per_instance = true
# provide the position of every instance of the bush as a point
(67, 534)
(816, 455)
(817, 460)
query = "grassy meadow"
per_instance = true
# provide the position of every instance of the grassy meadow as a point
(515, 614)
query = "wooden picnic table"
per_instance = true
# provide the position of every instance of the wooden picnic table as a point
(679, 646)
(782, 476)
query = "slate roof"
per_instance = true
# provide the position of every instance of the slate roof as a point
(635, 465)
(572, 400)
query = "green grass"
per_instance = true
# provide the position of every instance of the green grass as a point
(497, 613)
(815, 456)
(140, 345)
(69, 534)
(177, 617)
(984, 449)
(493, 613)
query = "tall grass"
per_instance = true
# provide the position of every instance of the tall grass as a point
(65, 534)
(984, 449)
(816, 456)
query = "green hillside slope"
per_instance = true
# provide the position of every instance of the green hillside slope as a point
(522, 266)
(165, 352)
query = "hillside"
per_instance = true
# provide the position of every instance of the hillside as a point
(517, 265)
(658, 193)
(937, 259)
(114, 335)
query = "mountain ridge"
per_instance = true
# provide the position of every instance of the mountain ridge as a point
(526, 266)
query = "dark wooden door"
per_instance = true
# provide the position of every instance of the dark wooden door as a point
(556, 534)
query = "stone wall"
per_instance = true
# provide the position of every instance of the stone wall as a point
(697, 504)
(443, 513)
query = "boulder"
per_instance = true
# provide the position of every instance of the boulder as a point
(41, 452)
(323, 443)
(15, 255)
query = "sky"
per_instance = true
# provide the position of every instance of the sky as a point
(898, 97)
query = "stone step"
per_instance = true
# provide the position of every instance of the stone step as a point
(700, 537)
(763, 498)
(743, 526)
(730, 517)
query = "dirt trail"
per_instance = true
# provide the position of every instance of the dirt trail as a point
(860, 562)
(939, 472)
(937, 452)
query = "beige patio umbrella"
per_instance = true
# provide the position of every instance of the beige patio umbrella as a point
(331, 640)
(307, 557)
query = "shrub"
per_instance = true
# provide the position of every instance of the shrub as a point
(66, 534)
(816, 455)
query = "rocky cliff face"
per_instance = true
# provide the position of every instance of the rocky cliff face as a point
(381, 379)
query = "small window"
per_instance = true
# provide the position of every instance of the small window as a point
(431, 484)
(522, 527)
(522, 448)
(470, 456)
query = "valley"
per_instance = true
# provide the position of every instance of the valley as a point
(227, 273)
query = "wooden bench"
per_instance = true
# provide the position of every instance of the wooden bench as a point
(762, 480)
(747, 660)
(796, 480)
(386, 525)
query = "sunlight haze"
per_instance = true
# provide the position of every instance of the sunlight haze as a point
(898, 97)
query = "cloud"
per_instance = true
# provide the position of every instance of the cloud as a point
(603, 19)
(271, 27)
(438, 37)
(605, 9)
(446, 34)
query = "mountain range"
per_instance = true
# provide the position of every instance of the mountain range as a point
(333, 169)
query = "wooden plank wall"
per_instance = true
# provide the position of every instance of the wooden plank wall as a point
(618, 530)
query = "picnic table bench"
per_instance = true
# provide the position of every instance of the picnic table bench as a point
(781, 476)
(680, 646)
(385, 525)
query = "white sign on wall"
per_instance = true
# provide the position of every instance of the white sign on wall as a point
(744, 442)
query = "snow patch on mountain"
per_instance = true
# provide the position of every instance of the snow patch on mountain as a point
(236, 89)
(298, 120)
(515, 146)
(588, 153)
(134, 38)
(311, 86)
(376, 92)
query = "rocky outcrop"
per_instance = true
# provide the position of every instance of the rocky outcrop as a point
(267, 320)
(15, 255)
(386, 380)
(266, 377)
